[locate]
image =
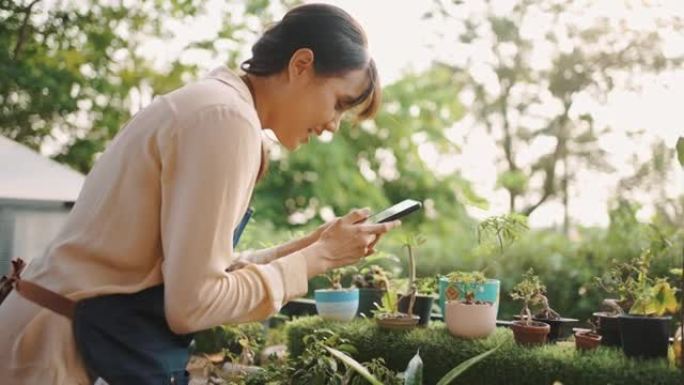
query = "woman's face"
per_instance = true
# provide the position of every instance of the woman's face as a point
(311, 104)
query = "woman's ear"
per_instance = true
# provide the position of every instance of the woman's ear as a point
(301, 63)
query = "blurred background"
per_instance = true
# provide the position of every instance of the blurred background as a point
(568, 112)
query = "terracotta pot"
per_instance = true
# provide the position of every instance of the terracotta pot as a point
(530, 335)
(396, 323)
(587, 340)
(560, 328)
(470, 320)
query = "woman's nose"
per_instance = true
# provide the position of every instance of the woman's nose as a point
(333, 125)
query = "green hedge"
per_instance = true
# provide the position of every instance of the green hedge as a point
(510, 365)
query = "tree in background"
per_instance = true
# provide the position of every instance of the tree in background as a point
(74, 71)
(527, 71)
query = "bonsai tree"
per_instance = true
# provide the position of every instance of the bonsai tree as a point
(528, 291)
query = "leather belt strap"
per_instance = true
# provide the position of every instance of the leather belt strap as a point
(38, 294)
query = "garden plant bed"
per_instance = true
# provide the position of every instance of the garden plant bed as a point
(511, 364)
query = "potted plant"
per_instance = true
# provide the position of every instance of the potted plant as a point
(466, 316)
(387, 314)
(560, 326)
(494, 234)
(587, 339)
(418, 299)
(372, 282)
(645, 326)
(525, 330)
(337, 303)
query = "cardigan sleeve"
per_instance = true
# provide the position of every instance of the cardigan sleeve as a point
(209, 165)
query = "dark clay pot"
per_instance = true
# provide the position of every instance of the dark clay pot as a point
(644, 337)
(422, 307)
(367, 298)
(530, 335)
(608, 328)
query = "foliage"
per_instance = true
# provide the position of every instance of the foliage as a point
(389, 306)
(75, 71)
(441, 352)
(527, 291)
(236, 342)
(505, 229)
(334, 276)
(638, 292)
(427, 285)
(374, 277)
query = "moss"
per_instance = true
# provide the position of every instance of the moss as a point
(511, 364)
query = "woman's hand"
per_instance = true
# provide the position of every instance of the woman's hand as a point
(314, 236)
(344, 241)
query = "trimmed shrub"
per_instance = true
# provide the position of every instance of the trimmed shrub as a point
(510, 365)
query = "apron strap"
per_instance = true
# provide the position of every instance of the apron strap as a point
(39, 294)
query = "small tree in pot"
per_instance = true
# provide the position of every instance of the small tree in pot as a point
(418, 297)
(645, 327)
(525, 330)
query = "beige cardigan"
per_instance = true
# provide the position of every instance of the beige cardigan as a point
(159, 206)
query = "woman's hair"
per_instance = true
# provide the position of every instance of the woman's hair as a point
(338, 42)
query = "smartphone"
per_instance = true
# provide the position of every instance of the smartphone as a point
(397, 211)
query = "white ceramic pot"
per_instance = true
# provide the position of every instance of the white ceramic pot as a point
(470, 321)
(337, 305)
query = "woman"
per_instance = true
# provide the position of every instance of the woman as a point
(146, 252)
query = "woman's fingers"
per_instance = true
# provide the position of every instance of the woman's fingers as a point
(356, 215)
(379, 228)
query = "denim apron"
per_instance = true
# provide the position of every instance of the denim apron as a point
(124, 339)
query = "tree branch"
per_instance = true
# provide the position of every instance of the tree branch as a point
(23, 30)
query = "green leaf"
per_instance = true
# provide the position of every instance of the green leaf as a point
(680, 150)
(355, 365)
(463, 366)
(414, 371)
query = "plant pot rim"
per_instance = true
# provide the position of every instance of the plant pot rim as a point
(639, 316)
(561, 320)
(460, 302)
(398, 323)
(487, 280)
(605, 314)
(344, 289)
(588, 334)
(532, 325)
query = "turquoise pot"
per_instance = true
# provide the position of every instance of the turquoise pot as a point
(488, 292)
